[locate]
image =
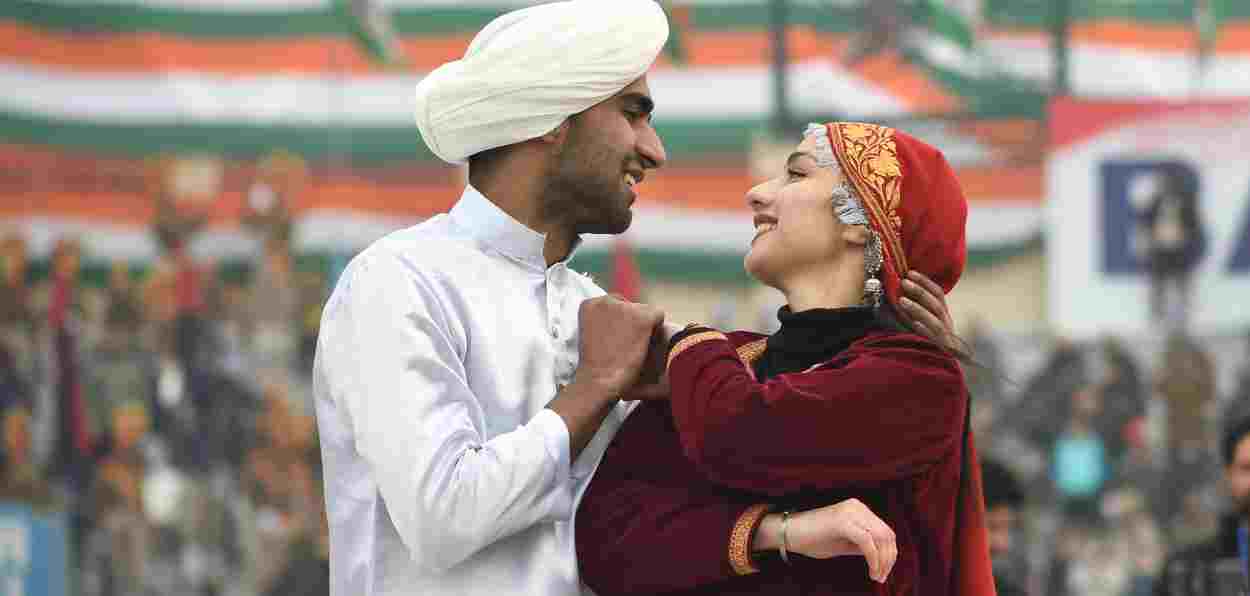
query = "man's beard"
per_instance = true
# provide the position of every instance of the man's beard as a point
(581, 194)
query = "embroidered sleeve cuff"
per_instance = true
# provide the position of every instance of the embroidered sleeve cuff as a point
(689, 337)
(740, 539)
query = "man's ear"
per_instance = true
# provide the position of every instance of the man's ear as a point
(857, 235)
(559, 133)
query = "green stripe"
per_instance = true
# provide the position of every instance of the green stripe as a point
(993, 97)
(683, 139)
(1038, 13)
(131, 18)
(667, 265)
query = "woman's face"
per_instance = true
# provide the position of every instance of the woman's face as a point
(796, 229)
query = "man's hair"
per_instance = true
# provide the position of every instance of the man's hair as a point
(1233, 435)
(1000, 485)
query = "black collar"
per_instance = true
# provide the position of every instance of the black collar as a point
(813, 336)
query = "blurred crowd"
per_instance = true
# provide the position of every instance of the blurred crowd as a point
(164, 408)
(1116, 453)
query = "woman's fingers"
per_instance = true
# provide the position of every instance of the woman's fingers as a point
(863, 539)
(932, 297)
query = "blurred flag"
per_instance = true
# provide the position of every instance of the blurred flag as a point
(626, 278)
(678, 48)
(947, 22)
(371, 25)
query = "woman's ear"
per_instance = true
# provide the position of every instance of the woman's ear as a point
(856, 235)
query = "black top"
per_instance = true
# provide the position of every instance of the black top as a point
(812, 336)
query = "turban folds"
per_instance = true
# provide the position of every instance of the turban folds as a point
(530, 69)
(913, 200)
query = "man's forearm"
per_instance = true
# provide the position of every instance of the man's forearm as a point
(582, 406)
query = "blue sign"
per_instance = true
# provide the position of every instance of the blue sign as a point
(34, 549)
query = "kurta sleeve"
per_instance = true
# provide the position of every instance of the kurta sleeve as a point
(886, 408)
(643, 527)
(392, 360)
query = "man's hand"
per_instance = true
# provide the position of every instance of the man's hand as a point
(923, 308)
(845, 528)
(615, 338)
(652, 382)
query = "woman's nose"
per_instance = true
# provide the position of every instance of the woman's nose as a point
(760, 196)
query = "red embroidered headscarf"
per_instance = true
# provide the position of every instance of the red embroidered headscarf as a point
(915, 205)
(912, 198)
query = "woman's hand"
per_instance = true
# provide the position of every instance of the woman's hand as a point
(652, 382)
(844, 528)
(923, 309)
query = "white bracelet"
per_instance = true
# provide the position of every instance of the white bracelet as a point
(785, 541)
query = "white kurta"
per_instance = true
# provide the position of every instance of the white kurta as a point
(444, 474)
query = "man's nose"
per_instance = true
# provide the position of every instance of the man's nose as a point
(651, 148)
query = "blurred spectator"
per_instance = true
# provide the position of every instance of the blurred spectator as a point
(1080, 459)
(1004, 501)
(1172, 242)
(17, 314)
(1123, 393)
(22, 480)
(275, 310)
(1186, 382)
(1043, 408)
(1216, 567)
(1238, 406)
(278, 479)
(280, 177)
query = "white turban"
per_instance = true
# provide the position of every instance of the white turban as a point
(530, 69)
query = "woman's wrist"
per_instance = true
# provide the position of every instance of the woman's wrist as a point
(768, 535)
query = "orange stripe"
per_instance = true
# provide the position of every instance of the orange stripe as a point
(890, 72)
(157, 52)
(1234, 37)
(138, 52)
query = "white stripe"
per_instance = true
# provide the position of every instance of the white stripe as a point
(384, 100)
(990, 225)
(1104, 70)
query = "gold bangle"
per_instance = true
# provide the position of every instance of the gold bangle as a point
(785, 540)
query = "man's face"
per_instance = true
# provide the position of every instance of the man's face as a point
(999, 521)
(607, 151)
(1238, 475)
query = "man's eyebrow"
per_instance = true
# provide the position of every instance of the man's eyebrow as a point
(641, 102)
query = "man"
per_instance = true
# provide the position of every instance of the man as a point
(1220, 566)
(1003, 500)
(466, 380)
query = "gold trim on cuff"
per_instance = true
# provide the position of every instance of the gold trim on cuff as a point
(692, 340)
(740, 539)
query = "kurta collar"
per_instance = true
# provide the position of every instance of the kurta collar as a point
(493, 227)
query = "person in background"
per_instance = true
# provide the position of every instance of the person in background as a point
(1004, 500)
(1220, 566)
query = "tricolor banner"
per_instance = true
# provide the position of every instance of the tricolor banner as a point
(1122, 178)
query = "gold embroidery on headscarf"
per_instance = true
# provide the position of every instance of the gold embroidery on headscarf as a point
(869, 158)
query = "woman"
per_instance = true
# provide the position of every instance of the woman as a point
(840, 403)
